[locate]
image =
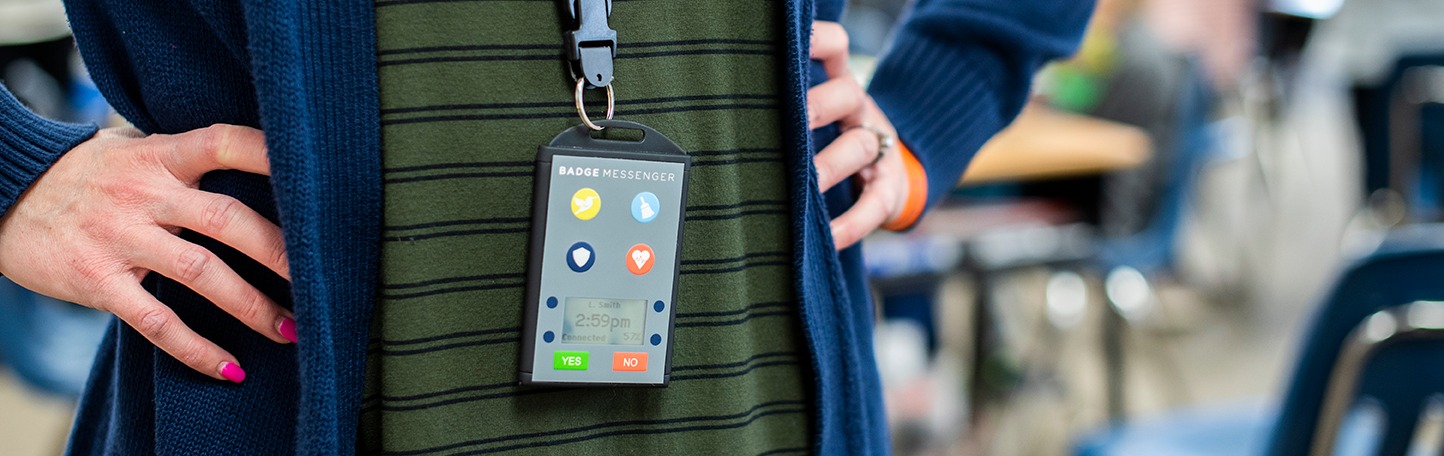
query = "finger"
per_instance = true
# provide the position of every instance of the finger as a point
(850, 153)
(160, 325)
(205, 273)
(197, 152)
(834, 100)
(829, 45)
(226, 219)
(868, 213)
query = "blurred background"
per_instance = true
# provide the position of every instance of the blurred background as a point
(46, 346)
(1166, 253)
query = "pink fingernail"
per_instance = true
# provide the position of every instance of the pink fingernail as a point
(287, 328)
(233, 372)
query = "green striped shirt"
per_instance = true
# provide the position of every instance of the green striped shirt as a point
(469, 89)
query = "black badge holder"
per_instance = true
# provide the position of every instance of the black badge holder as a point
(606, 236)
(591, 318)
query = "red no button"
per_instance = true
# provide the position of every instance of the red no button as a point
(629, 362)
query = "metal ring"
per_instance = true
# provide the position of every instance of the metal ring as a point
(885, 141)
(582, 107)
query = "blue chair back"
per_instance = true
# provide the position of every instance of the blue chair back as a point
(1152, 248)
(1400, 378)
(1429, 200)
(1372, 105)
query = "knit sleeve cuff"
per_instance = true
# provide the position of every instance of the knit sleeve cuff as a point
(29, 144)
(946, 100)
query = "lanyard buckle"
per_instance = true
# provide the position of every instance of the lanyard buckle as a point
(592, 45)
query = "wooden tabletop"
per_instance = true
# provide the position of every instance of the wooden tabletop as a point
(1045, 143)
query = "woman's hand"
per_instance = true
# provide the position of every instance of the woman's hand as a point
(108, 213)
(842, 99)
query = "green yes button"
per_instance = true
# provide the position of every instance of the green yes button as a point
(569, 360)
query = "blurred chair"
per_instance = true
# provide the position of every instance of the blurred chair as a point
(49, 343)
(1368, 374)
(1399, 122)
(1142, 234)
(1416, 158)
(1143, 216)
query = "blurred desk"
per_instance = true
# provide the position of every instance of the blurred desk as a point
(1045, 143)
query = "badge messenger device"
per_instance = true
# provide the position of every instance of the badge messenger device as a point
(605, 248)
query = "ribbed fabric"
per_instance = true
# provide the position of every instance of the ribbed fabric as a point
(315, 68)
(305, 72)
(29, 144)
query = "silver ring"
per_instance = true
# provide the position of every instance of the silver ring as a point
(582, 107)
(885, 141)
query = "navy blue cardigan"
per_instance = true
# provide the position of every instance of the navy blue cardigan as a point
(305, 72)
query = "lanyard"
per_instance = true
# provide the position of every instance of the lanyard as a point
(602, 279)
(591, 46)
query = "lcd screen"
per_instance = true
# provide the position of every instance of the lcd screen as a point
(604, 321)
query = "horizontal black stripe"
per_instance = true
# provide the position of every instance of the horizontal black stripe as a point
(565, 104)
(714, 217)
(423, 178)
(464, 399)
(558, 56)
(745, 150)
(718, 207)
(734, 269)
(422, 237)
(735, 364)
(738, 161)
(446, 392)
(465, 48)
(696, 428)
(802, 450)
(555, 55)
(733, 322)
(731, 152)
(446, 280)
(647, 55)
(455, 335)
(679, 378)
(505, 164)
(422, 294)
(446, 223)
(600, 426)
(467, 344)
(734, 259)
(569, 114)
(729, 313)
(521, 47)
